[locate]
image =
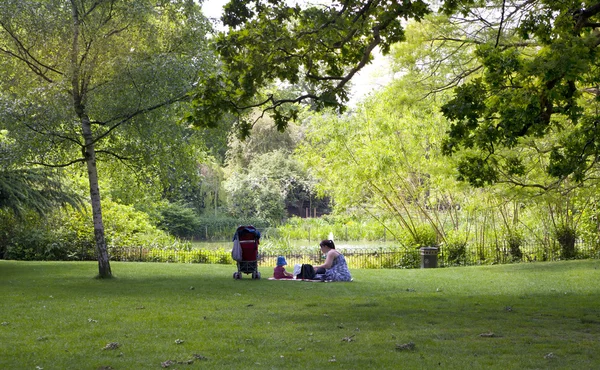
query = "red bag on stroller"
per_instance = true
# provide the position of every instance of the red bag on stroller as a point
(247, 239)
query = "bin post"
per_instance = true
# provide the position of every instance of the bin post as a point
(429, 257)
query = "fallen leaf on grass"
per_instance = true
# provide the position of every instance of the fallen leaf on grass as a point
(178, 341)
(167, 363)
(405, 347)
(550, 356)
(111, 346)
(186, 362)
(489, 335)
(348, 339)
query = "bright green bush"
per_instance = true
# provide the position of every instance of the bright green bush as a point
(69, 234)
(39, 238)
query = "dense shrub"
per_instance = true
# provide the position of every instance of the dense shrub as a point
(514, 245)
(69, 234)
(35, 237)
(179, 220)
(456, 253)
(566, 237)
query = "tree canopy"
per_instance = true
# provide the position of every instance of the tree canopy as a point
(535, 95)
(525, 74)
(86, 79)
(315, 49)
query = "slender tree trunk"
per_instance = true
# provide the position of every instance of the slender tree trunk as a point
(79, 86)
(90, 159)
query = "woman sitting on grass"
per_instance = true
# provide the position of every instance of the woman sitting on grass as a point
(335, 267)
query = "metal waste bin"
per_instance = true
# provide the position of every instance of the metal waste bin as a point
(429, 257)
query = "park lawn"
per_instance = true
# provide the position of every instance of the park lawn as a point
(56, 315)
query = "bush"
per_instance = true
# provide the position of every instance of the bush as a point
(37, 238)
(179, 220)
(69, 234)
(566, 237)
(410, 259)
(422, 236)
(456, 253)
(514, 245)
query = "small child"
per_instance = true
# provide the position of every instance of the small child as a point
(279, 272)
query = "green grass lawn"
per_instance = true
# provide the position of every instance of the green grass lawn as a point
(56, 315)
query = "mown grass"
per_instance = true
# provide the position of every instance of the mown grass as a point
(56, 315)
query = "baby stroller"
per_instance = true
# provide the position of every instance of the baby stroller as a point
(246, 240)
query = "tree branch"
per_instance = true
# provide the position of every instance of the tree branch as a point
(25, 56)
(120, 158)
(123, 119)
(62, 165)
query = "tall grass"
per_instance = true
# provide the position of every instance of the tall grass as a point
(55, 315)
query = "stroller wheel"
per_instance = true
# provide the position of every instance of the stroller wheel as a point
(237, 275)
(258, 275)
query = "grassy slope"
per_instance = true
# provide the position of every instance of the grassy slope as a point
(55, 315)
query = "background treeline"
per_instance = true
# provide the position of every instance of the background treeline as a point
(378, 172)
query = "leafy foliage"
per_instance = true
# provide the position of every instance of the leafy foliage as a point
(222, 227)
(384, 161)
(318, 48)
(118, 69)
(68, 235)
(34, 189)
(272, 182)
(179, 220)
(536, 92)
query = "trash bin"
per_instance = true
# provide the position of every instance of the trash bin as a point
(429, 257)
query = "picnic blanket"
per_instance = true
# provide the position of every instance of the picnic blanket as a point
(313, 281)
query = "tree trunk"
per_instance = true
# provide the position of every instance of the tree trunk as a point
(79, 86)
(90, 160)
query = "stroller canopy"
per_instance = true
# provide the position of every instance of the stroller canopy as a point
(244, 231)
